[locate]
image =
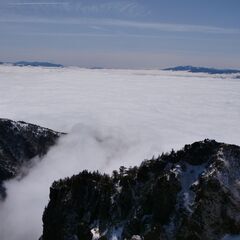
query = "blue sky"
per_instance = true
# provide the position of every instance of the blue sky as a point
(123, 33)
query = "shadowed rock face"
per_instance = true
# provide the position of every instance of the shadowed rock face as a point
(190, 194)
(20, 142)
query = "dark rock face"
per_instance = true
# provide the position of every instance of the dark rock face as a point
(190, 194)
(20, 142)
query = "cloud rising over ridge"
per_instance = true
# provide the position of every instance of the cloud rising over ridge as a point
(84, 147)
(114, 118)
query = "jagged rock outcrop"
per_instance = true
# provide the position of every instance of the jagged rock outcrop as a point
(190, 194)
(20, 142)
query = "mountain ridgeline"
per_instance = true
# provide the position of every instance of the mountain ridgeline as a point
(36, 64)
(193, 69)
(33, 64)
(191, 194)
(19, 143)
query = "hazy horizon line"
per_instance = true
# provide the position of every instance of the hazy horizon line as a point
(118, 68)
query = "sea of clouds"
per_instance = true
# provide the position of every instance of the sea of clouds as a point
(114, 118)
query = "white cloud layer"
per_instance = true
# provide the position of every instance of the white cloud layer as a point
(115, 117)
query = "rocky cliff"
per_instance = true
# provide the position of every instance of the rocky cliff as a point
(190, 194)
(20, 142)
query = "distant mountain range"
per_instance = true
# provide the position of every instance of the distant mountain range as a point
(193, 69)
(33, 64)
(37, 64)
(189, 68)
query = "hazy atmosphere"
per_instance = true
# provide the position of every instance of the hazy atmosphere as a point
(122, 34)
(119, 119)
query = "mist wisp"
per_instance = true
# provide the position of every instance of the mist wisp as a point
(85, 147)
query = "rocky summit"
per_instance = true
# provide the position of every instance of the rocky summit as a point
(190, 194)
(19, 143)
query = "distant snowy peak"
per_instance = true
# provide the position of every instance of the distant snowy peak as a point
(193, 69)
(32, 64)
(37, 64)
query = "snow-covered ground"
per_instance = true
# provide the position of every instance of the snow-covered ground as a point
(115, 117)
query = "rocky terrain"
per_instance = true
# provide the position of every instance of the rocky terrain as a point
(190, 194)
(19, 143)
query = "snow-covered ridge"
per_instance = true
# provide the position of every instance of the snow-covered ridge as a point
(19, 143)
(188, 194)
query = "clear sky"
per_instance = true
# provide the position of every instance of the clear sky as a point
(122, 33)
